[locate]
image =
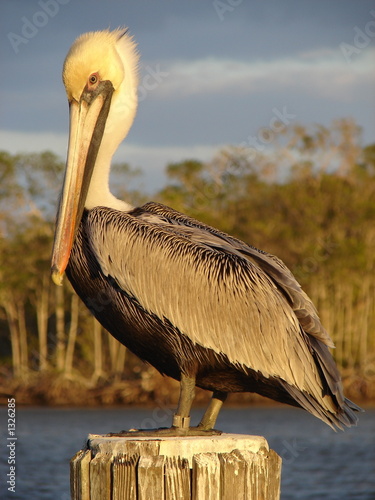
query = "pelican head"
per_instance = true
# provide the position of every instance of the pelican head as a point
(100, 78)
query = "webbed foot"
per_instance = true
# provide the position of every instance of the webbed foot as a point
(180, 427)
(166, 432)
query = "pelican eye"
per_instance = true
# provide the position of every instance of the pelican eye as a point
(93, 79)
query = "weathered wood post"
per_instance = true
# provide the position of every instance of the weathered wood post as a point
(222, 467)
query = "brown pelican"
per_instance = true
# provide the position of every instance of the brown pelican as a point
(197, 304)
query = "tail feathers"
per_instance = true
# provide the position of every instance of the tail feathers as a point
(344, 416)
(329, 374)
(350, 409)
(333, 408)
(353, 406)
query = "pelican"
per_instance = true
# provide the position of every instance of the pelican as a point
(199, 305)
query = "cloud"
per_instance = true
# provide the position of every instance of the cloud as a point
(30, 142)
(323, 72)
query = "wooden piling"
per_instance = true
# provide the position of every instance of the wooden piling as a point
(219, 467)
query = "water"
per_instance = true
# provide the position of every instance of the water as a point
(318, 464)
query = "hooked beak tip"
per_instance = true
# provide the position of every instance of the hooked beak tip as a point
(56, 276)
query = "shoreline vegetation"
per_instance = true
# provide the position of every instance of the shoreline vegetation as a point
(149, 390)
(309, 199)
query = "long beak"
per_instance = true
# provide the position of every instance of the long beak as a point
(87, 122)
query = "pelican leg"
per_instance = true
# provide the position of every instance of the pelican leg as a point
(209, 418)
(181, 419)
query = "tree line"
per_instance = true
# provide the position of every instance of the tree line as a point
(309, 199)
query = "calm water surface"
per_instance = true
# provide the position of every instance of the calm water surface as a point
(318, 464)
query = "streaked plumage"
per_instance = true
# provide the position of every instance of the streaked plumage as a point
(192, 301)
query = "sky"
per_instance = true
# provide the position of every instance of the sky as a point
(212, 72)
